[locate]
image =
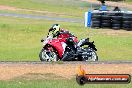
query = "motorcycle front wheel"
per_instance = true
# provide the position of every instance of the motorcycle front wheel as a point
(48, 56)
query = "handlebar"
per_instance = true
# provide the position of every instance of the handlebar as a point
(48, 38)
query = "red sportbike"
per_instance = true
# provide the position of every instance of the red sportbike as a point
(67, 48)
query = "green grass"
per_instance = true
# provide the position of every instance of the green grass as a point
(35, 13)
(128, 0)
(114, 47)
(56, 84)
(20, 39)
(66, 7)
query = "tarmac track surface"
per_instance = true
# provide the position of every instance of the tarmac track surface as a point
(38, 17)
(66, 62)
(63, 70)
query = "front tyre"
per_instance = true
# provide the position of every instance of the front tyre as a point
(48, 56)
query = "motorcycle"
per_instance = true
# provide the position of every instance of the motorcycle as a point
(55, 49)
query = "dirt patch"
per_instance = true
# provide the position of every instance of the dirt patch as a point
(115, 32)
(58, 71)
(3, 7)
(39, 76)
(109, 3)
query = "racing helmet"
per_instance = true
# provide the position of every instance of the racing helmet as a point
(55, 28)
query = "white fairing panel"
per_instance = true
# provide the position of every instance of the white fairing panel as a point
(80, 42)
(64, 46)
(49, 38)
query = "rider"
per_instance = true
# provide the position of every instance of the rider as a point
(55, 31)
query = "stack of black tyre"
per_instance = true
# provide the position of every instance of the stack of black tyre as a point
(96, 20)
(127, 21)
(116, 21)
(106, 21)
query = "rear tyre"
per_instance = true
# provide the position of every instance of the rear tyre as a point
(92, 55)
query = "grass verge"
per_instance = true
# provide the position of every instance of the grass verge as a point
(66, 7)
(20, 39)
(56, 84)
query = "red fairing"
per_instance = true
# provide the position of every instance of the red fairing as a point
(65, 36)
(75, 39)
(57, 42)
(57, 45)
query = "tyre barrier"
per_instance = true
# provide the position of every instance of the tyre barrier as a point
(106, 21)
(127, 22)
(113, 20)
(96, 20)
(116, 22)
(116, 26)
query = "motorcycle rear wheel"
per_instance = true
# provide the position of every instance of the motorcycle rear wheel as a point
(48, 56)
(94, 56)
